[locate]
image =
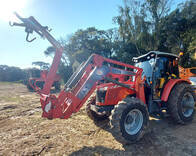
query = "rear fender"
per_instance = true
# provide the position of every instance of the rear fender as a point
(169, 86)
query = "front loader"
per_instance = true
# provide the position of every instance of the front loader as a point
(125, 94)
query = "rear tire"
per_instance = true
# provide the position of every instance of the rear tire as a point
(93, 115)
(129, 120)
(181, 103)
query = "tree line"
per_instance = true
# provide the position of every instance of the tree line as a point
(16, 74)
(143, 25)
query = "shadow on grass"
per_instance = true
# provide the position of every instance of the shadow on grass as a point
(149, 145)
(141, 148)
(155, 142)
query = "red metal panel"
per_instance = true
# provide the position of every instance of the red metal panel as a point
(52, 73)
(115, 94)
(169, 86)
(139, 87)
(61, 107)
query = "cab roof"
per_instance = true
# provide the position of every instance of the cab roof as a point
(152, 54)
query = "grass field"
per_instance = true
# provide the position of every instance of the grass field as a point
(24, 132)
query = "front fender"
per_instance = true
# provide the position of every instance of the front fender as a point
(169, 86)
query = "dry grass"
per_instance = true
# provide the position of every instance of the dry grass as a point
(24, 132)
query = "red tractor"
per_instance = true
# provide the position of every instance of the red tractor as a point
(125, 94)
(35, 82)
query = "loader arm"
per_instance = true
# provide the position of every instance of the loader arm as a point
(32, 25)
(83, 82)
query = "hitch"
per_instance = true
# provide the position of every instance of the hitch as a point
(28, 30)
(27, 38)
(30, 25)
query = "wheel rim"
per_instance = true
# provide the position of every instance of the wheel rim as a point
(188, 103)
(133, 122)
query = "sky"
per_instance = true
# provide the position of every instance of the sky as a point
(64, 17)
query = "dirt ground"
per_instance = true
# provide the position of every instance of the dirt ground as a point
(24, 132)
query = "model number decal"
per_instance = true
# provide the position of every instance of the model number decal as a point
(68, 101)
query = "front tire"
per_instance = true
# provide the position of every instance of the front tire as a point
(129, 120)
(181, 103)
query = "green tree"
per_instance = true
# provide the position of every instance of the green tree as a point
(178, 31)
(11, 74)
(85, 42)
(79, 46)
(139, 23)
(41, 65)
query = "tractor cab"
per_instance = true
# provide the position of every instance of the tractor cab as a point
(157, 65)
(158, 69)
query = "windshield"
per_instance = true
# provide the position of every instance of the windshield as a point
(147, 67)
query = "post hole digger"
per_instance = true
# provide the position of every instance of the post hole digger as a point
(125, 94)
